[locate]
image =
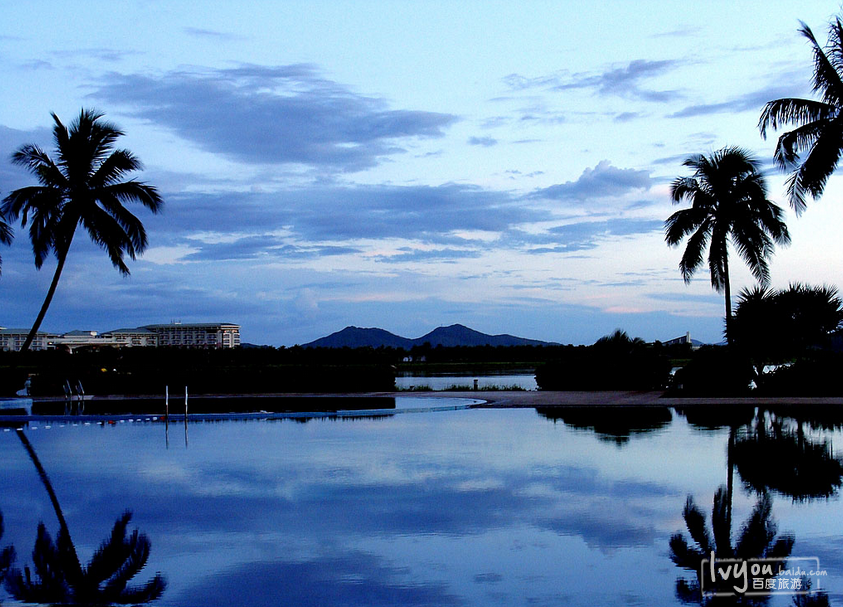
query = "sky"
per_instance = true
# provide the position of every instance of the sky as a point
(407, 165)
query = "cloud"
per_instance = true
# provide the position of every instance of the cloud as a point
(335, 213)
(339, 578)
(627, 116)
(484, 141)
(272, 115)
(446, 255)
(602, 181)
(621, 81)
(750, 102)
(109, 55)
(261, 245)
(211, 35)
(588, 234)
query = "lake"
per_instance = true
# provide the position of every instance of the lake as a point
(463, 507)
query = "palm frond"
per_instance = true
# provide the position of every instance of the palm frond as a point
(783, 112)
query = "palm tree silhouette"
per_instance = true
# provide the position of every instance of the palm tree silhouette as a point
(5, 235)
(728, 196)
(757, 539)
(7, 555)
(61, 578)
(83, 186)
(819, 129)
(771, 455)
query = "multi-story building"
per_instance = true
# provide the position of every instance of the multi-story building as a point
(12, 339)
(183, 335)
(197, 335)
(135, 338)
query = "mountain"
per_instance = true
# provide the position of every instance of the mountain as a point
(455, 335)
(356, 337)
(460, 335)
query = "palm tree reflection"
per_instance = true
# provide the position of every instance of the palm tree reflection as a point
(7, 555)
(61, 578)
(772, 454)
(757, 539)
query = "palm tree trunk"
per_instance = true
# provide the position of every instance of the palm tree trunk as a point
(44, 479)
(727, 288)
(49, 298)
(50, 491)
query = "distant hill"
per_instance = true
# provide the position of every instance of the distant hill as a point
(455, 335)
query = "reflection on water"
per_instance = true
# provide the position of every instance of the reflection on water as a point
(756, 539)
(467, 507)
(780, 454)
(59, 576)
(614, 424)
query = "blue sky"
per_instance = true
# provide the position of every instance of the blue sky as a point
(407, 165)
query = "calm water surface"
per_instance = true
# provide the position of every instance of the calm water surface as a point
(469, 507)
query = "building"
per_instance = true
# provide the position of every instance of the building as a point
(12, 339)
(132, 338)
(197, 335)
(181, 335)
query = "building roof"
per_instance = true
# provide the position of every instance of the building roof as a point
(24, 331)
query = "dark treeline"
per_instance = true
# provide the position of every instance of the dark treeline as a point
(614, 362)
(251, 369)
(237, 371)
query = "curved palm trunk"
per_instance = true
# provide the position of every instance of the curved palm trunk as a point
(49, 298)
(44, 479)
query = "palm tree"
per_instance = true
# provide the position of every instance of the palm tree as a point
(728, 196)
(5, 235)
(82, 187)
(819, 124)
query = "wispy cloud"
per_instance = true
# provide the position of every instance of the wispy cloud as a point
(273, 115)
(484, 141)
(321, 213)
(753, 101)
(199, 32)
(622, 81)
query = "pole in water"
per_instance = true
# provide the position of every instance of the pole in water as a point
(166, 402)
(185, 403)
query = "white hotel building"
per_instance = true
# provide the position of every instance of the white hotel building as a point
(181, 335)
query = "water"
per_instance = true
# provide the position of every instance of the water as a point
(463, 507)
(523, 381)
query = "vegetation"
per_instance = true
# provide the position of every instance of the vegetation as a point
(782, 326)
(614, 362)
(819, 123)
(83, 186)
(239, 371)
(728, 196)
(5, 235)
